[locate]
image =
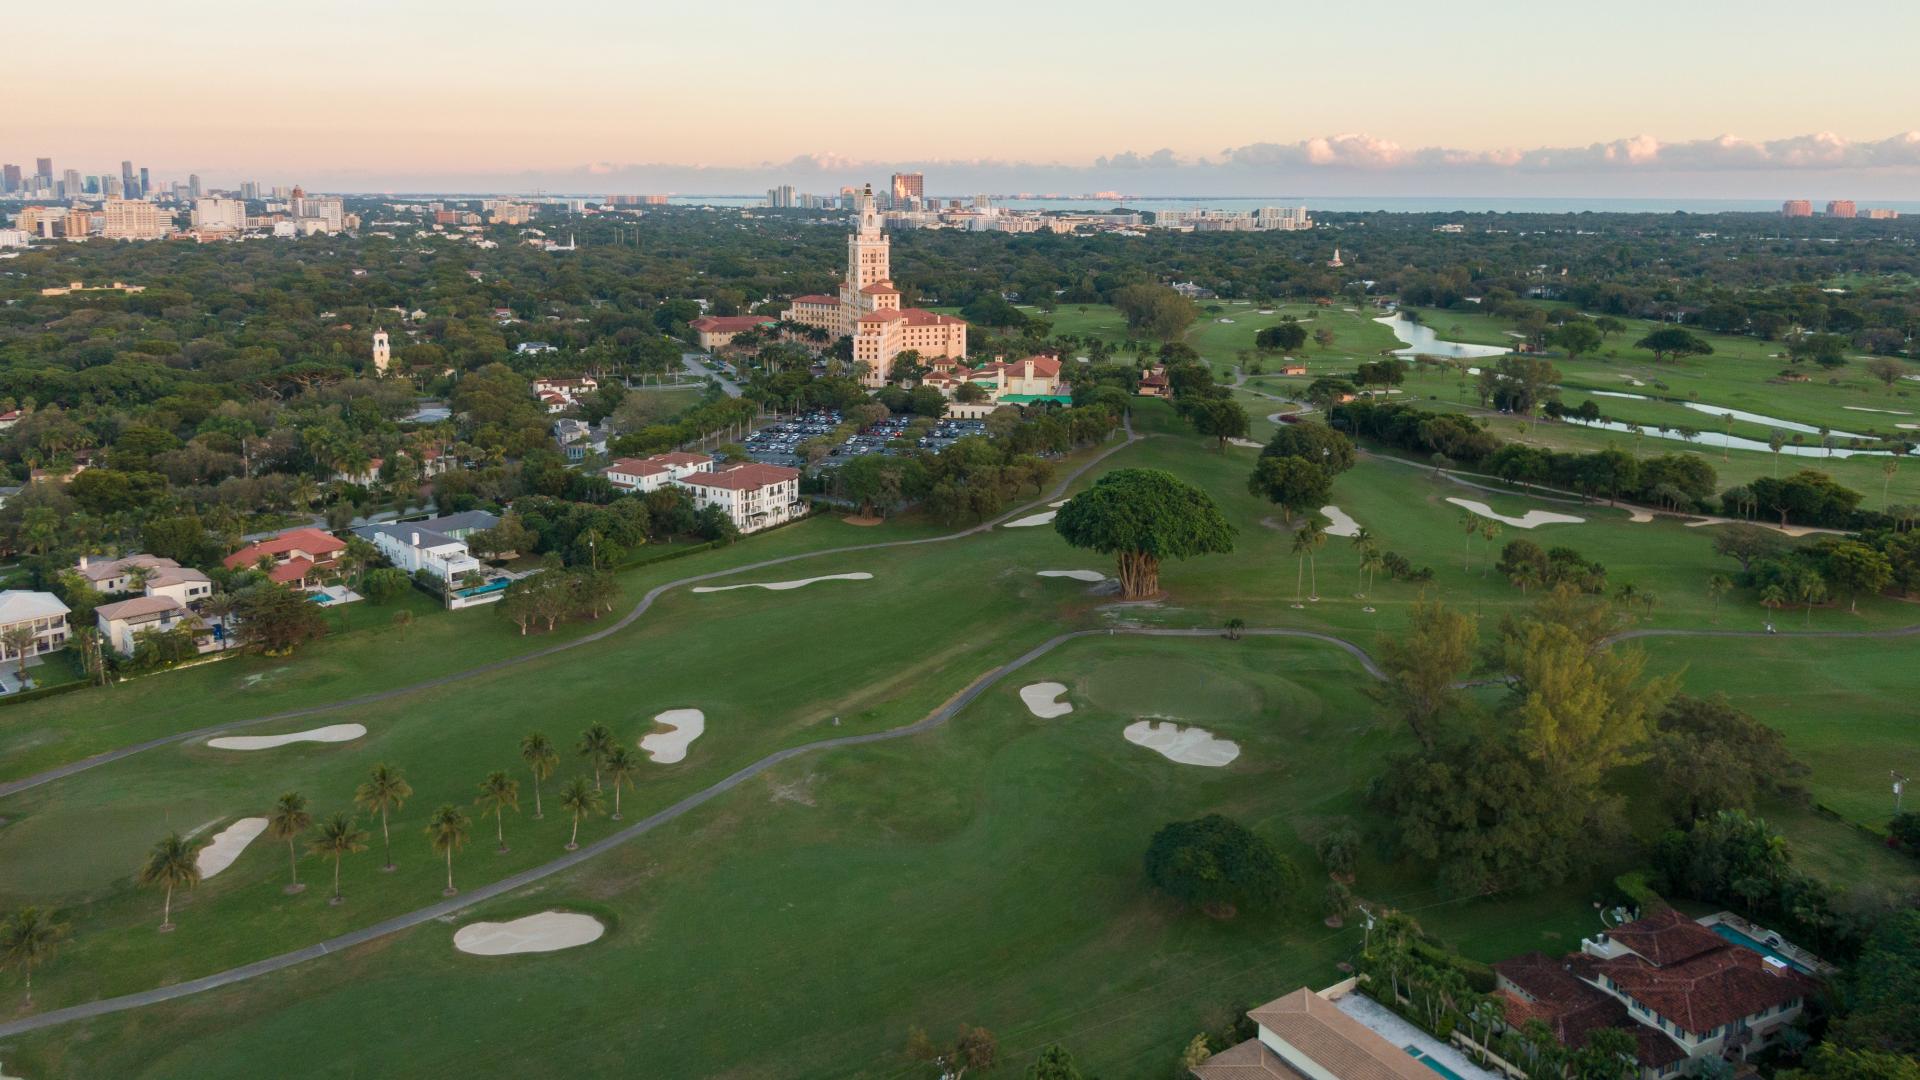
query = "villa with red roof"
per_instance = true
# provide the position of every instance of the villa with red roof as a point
(755, 495)
(868, 308)
(298, 556)
(718, 331)
(651, 473)
(1682, 990)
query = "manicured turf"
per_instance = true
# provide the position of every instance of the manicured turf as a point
(986, 872)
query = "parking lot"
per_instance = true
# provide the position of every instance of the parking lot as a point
(779, 443)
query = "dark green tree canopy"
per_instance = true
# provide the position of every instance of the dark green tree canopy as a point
(1144, 516)
(1214, 862)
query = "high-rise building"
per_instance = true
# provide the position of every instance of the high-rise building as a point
(110, 187)
(43, 168)
(126, 179)
(780, 197)
(70, 185)
(10, 178)
(134, 219)
(1841, 208)
(77, 225)
(1796, 208)
(909, 188)
(219, 214)
(193, 185)
(250, 190)
(146, 184)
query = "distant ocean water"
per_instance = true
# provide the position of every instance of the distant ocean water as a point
(1412, 204)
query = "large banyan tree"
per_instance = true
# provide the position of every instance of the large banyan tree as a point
(1142, 516)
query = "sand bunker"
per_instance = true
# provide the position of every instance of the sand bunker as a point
(1043, 518)
(1040, 700)
(330, 733)
(1248, 443)
(1186, 745)
(1058, 505)
(549, 931)
(782, 586)
(1342, 524)
(668, 747)
(1638, 517)
(228, 844)
(1077, 575)
(1889, 412)
(1533, 518)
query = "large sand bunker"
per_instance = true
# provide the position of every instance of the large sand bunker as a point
(1186, 745)
(1077, 575)
(227, 846)
(668, 747)
(330, 733)
(1043, 518)
(1532, 519)
(782, 586)
(1041, 700)
(1343, 525)
(549, 931)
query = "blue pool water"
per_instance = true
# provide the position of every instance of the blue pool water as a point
(1432, 1064)
(1746, 941)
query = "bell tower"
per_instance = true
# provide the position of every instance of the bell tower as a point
(868, 248)
(382, 352)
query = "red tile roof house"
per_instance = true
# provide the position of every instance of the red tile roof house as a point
(718, 331)
(1683, 991)
(756, 496)
(651, 473)
(299, 556)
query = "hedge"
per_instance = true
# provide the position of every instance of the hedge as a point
(44, 692)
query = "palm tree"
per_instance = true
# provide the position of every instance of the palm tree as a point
(29, 939)
(580, 800)
(1718, 586)
(447, 831)
(1887, 468)
(621, 765)
(340, 835)
(541, 758)
(594, 744)
(1371, 563)
(172, 862)
(20, 641)
(1313, 537)
(288, 820)
(1362, 540)
(1471, 523)
(1773, 597)
(1489, 531)
(499, 793)
(383, 790)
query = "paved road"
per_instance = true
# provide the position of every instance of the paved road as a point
(700, 366)
(14, 787)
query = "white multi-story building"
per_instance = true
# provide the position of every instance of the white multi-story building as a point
(755, 495)
(41, 612)
(439, 547)
(652, 473)
(134, 219)
(220, 214)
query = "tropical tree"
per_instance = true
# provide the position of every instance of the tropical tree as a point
(498, 794)
(621, 764)
(382, 791)
(1307, 542)
(20, 641)
(594, 744)
(338, 837)
(287, 821)
(541, 758)
(173, 862)
(30, 938)
(581, 800)
(1718, 586)
(1142, 516)
(447, 830)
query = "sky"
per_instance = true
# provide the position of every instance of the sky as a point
(1699, 98)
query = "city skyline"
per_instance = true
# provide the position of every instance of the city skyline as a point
(1394, 105)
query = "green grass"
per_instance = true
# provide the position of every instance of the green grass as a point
(983, 873)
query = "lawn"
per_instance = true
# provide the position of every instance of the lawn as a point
(986, 872)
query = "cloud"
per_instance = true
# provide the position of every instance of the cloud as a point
(1823, 150)
(1159, 159)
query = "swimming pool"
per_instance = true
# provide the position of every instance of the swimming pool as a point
(1430, 1063)
(1746, 941)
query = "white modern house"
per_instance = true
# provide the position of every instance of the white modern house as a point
(755, 495)
(439, 547)
(652, 473)
(41, 612)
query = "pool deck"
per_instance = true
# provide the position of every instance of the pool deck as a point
(1402, 1034)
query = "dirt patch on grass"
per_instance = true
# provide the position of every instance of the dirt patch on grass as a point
(798, 791)
(863, 522)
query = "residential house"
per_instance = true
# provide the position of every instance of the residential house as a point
(365, 477)
(123, 621)
(1154, 383)
(578, 439)
(533, 348)
(1684, 991)
(754, 495)
(651, 473)
(160, 577)
(439, 547)
(9, 418)
(298, 557)
(8, 491)
(1305, 1036)
(41, 612)
(718, 331)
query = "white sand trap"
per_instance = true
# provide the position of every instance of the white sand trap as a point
(1342, 524)
(1248, 443)
(330, 733)
(1077, 575)
(1908, 427)
(782, 586)
(1186, 745)
(1533, 518)
(1618, 394)
(549, 931)
(1042, 518)
(1040, 700)
(1639, 517)
(668, 747)
(1889, 412)
(1058, 505)
(227, 845)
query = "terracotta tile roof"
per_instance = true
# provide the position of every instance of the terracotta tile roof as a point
(1666, 937)
(1251, 1060)
(1335, 1041)
(292, 570)
(730, 324)
(817, 298)
(743, 477)
(314, 542)
(113, 568)
(1708, 990)
(658, 463)
(913, 317)
(138, 609)
(880, 288)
